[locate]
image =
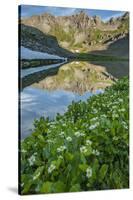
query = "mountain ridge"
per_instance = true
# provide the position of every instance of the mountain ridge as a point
(79, 28)
(74, 33)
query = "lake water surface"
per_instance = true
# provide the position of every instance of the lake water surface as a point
(32, 70)
(37, 102)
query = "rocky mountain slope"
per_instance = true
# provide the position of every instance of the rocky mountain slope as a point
(36, 40)
(77, 77)
(78, 31)
(117, 47)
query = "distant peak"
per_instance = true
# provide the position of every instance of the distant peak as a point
(82, 13)
(126, 15)
(97, 19)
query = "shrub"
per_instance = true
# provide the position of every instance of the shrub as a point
(85, 149)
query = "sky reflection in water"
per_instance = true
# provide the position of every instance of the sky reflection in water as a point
(36, 103)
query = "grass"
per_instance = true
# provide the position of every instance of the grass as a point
(92, 57)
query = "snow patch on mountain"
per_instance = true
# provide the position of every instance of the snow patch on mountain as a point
(26, 53)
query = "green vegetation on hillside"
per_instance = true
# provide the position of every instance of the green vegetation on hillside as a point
(61, 34)
(92, 57)
(85, 149)
(92, 36)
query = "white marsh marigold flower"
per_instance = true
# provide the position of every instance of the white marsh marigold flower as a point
(69, 139)
(61, 149)
(51, 168)
(89, 172)
(83, 149)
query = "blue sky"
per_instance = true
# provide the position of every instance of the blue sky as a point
(29, 10)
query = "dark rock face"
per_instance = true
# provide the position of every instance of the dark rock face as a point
(81, 21)
(36, 40)
(112, 21)
(117, 38)
(126, 16)
(97, 20)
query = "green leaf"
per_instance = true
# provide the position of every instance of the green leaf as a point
(27, 187)
(46, 153)
(89, 151)
(110, 138)
(83, 167)
(38, 173)
(103, 171)
(69, 156)
(75, 188)
(41, 138)
(83, 159)
(57, 163)
(59, 186)
(47, 187)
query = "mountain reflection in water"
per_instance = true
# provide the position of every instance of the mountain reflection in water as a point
(36, 103)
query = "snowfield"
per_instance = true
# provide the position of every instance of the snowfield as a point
(26, 53)
(26, 72)
(29, 54)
